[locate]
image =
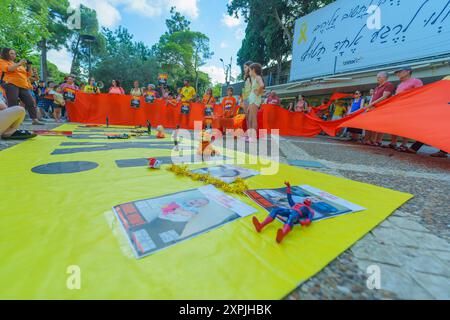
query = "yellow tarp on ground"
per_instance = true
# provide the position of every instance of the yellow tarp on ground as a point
(50, 222)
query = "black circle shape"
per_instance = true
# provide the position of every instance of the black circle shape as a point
(65, 167)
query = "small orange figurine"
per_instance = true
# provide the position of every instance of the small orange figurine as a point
(160, 132)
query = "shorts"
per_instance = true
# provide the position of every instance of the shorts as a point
(57, 106)
(47, 105)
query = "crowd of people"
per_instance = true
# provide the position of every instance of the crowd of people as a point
(384, 90)
(22, 90)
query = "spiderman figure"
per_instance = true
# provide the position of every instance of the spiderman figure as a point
(298, 213)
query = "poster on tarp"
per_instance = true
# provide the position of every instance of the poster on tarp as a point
(150, 98)
(227, 173)
(324, 204)
(157, 223)
(162, 78)
(135, 102)
(69, 94)
(185, 108)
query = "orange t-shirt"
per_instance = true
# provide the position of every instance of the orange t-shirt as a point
(19, 77)
(209, 100)
(229, 106)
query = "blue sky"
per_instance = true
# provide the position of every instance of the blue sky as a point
(145, 19)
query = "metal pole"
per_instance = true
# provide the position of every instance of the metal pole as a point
(90, 59)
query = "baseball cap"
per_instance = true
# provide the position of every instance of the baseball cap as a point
(408, 68)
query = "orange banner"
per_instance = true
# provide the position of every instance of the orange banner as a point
(422, 114)
(95, 108)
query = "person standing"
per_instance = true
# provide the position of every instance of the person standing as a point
(229, 104)
(208, 98)
(383, 91)
(357, 104)
(302, 105)
(407, 82)
(16, 82)
(91, 87)
(69, 90)
(254, 100)
(136, 91)
(247, 88)
(116, 88)
(273, 98)
(188, 93)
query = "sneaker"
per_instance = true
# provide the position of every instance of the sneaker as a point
(37, 123)
(20, 135)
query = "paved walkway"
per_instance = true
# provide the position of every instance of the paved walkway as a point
(411, 248)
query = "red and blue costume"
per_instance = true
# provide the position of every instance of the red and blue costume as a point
(301, 213)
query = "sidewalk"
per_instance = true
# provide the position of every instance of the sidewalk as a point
(411, 248)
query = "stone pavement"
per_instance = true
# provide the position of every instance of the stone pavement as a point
(411, 248)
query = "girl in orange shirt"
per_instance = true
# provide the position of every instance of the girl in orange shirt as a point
(229, 104)
(16, 82)
(208, 98)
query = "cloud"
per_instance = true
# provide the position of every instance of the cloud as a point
(231, 21)
(62, 58)
(217, 74)
(108, 11)
(223, 45)
(235, 23)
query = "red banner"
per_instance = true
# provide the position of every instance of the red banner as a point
(422, 114)
(95, 108)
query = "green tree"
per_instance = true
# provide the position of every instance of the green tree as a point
(56, 13)
(80, 50)
(20, 27)
(125, 60)
(182, 52)
(53, 72)
(177, 22)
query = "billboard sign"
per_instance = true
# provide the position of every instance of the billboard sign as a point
(351, 35)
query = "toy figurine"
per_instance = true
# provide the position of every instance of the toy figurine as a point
(154, 163)
(160, 132)
(301, 213)
(205, 147)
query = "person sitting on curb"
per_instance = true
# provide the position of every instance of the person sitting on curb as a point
(10, 120)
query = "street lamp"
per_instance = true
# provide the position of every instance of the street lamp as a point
(227, 70)
(89, 39)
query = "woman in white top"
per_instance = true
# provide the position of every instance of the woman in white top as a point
(136, 91)
(254, 100)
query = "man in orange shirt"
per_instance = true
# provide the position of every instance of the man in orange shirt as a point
(16, 82)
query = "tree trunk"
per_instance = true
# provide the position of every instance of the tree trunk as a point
(75, 53)
(44, 69)
(285, 29)
(196, 71)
